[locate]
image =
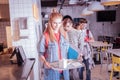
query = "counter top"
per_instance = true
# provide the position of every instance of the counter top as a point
(13, 71)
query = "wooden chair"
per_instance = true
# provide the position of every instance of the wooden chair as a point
(115, 65)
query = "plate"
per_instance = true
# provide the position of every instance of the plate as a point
(71, 64)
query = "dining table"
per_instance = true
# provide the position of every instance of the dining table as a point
(99, 48)
(98, 44)
(10, 71)
(114, 51)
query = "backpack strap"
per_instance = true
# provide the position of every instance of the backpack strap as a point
(87, 32)
(46, 39)
(46, 44)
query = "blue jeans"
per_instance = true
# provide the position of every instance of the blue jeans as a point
(88, 71)
(51, 74)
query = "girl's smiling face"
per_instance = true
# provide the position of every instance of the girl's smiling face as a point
(56, 24)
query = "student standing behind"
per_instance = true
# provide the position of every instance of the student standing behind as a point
(73, 36)
(53, 47)
(85, 38)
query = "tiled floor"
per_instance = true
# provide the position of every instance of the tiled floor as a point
(100, 75)
(103, 74)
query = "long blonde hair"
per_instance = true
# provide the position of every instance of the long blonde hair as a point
(49, 30)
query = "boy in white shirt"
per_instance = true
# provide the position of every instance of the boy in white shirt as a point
(73, 37)
(85, 37)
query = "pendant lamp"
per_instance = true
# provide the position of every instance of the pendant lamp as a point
(110, 2)
(86, 12)
(73, 1)
(96, 6)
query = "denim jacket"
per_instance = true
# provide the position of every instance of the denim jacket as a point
(53, 49)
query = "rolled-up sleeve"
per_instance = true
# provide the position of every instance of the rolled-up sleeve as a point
(42, 45)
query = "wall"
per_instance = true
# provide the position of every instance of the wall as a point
(4, 21)
(97, 28)
(105, 28)
(21, 15)
(3, 25)
(8, 36)
(4, 11)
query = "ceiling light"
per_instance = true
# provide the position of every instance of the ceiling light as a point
(86, 12)
(110, 2)
(96, 6)
(73, 1)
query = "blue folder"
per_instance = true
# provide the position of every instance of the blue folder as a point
(72, 53)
